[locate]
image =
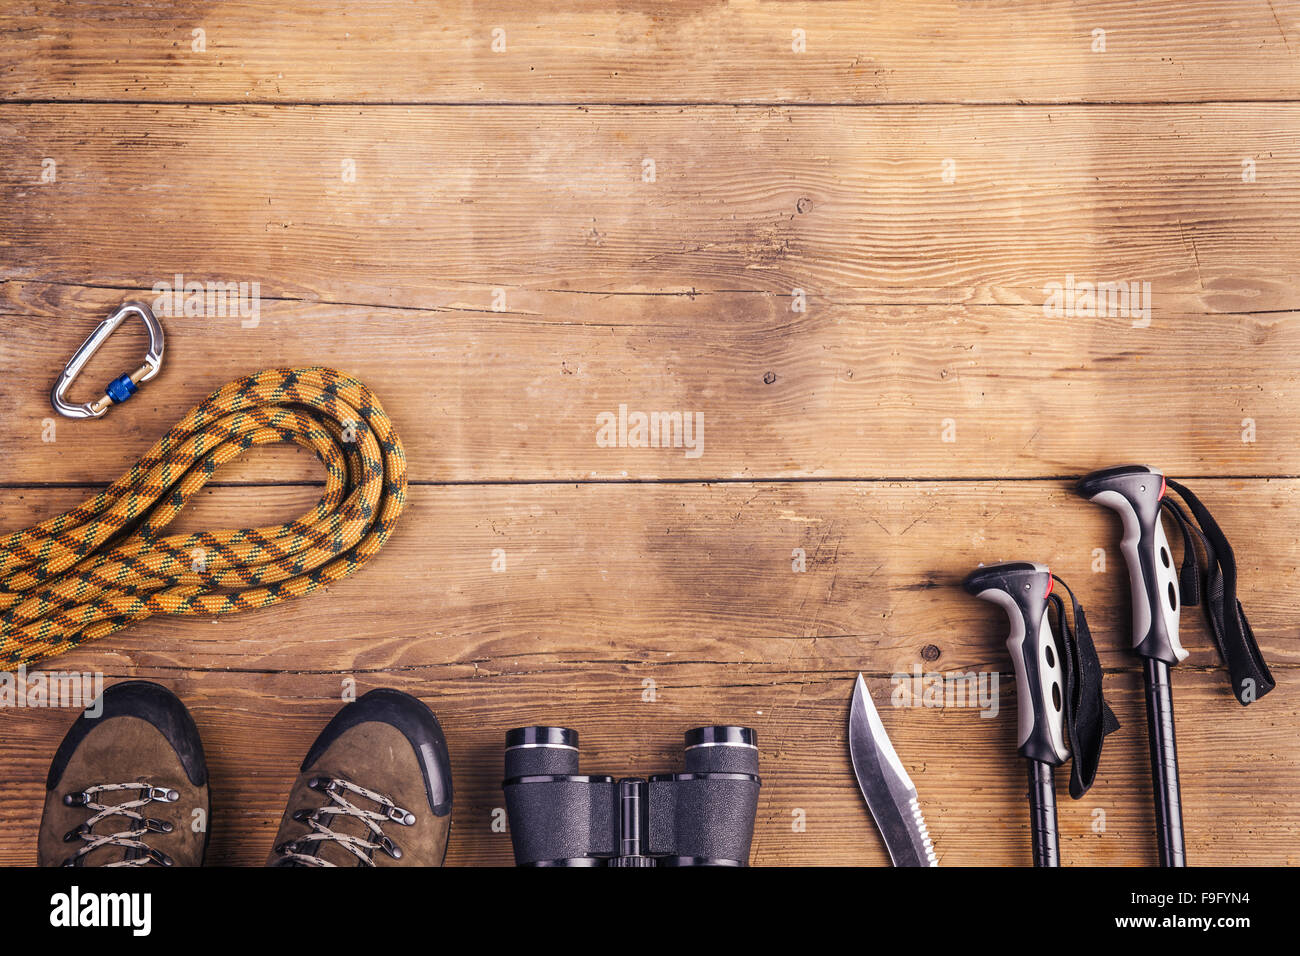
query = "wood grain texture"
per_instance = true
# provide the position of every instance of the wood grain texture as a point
(692, 588)
(650, 50)
(450, 203)
(843, 391)
(1237, 764)
(609, 574)
(500, 272)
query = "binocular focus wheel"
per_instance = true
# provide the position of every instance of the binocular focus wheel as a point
(721, 735)
(538, 736)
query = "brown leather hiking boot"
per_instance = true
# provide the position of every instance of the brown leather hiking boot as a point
(374, 790)
(129, 787)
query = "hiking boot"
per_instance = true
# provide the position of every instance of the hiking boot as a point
(374, 790)
(126, 788)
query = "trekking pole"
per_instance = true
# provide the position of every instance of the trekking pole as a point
(1061, 712)
(1135, 492)
(1021, 589)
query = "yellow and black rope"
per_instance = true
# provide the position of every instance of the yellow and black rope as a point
(107, 563)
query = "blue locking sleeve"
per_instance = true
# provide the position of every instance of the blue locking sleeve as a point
(121, 388)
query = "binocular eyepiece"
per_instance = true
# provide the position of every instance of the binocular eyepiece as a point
(702, 817)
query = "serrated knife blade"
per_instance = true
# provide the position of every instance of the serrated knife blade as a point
(889, 791)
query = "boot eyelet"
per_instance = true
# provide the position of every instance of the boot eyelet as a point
(75, 833)
(398, 815)
(79, 799)
(388, 846)
(158, 826)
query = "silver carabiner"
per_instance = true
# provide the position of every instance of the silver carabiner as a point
(122, 387)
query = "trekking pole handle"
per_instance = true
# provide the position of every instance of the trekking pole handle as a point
(1021, 589)
(1134, 492)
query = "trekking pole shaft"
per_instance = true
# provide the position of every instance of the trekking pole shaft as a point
(1164, 763)
(1042, 814)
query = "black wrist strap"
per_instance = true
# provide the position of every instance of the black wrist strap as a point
(1088, 717)
(1233, 637)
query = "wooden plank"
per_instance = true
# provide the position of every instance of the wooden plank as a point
(646, 577)
(450, 204)
(1238, 765)
(844, 390)
(501, 272)
(589, 51)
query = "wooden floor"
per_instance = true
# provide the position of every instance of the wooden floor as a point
(839, 257)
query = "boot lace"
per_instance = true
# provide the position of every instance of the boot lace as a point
(304, 850)
(138, 853)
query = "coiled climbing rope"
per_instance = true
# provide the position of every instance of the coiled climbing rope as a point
(108, 563)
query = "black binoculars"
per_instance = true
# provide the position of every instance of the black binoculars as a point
(703, 817)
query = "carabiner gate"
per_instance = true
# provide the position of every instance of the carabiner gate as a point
(122, 387)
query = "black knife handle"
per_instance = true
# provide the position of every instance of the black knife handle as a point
(1042, 814)
(1164, 763)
